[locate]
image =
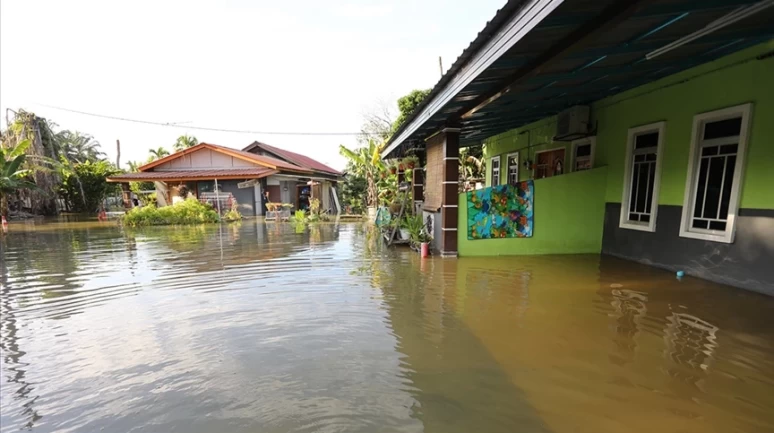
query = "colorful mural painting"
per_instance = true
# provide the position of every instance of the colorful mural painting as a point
(502, 211)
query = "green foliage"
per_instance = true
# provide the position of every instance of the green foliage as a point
(13, 177)
(353, 190)
(157, 153)
(367, 162)
(299, 216)
(407, 105)
(233, 214)
(77, 147)
(184, 142)
(189, 211)
(84, 186)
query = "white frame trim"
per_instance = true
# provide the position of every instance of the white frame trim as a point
(726, 236)
(508, 167)
(534, 163)
(623, 221)
(499, 170)
(575, 143)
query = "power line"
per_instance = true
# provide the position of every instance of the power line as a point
(200, 128)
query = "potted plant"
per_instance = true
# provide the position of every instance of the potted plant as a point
(393, 167)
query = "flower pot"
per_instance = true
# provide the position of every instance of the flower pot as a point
(393, 170)
(410, 164)
(371, 214)
(404, 234)
(424, 249)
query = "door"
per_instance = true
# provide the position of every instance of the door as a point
(274, 193)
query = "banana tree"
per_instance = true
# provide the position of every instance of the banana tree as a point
(367, 162)
(12, 176)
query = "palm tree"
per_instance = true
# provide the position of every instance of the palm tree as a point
(367, 162)
(184, 142)
(79, 148)
(12, 176)
(158, 153)
(134, 166)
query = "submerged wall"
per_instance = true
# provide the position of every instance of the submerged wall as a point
(568, 215)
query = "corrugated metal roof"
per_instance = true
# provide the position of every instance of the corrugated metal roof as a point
(232, 173)
(580, 52)
(296, 158)
(261, 160)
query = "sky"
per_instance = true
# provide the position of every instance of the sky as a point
(262, 66)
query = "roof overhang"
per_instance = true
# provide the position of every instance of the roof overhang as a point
(539, 57)
(193, 175)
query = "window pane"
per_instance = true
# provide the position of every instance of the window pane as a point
(727, 184)
(717, 225)
(723, 128)
(650, 157)
(642, 188)
(645, 218)
(639, 158)
(583, 150)
(728, 148)
(633, 186)
(652, 177)
(699, 224)
(634, 217)
(709, 151)
(646, 140)
(700, 188)
(714, 183)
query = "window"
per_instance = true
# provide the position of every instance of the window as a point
(495, 162)
(513, 168)
(639, 203)
(583, 154)
(549, 163)
(715, 173)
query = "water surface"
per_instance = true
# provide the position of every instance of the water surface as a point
(259, 328)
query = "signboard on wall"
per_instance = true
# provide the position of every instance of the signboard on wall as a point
(247, 184)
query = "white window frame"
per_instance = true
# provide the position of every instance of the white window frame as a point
(624, 221)
(588, 140)
(492, 170)
(699, 120)
(508, 167)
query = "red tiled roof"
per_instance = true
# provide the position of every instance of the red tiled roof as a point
(296, 158)
(232, 173)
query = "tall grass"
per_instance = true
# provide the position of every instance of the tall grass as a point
(189, 211)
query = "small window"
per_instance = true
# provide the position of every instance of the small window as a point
(642, 173)
(583, 154)
(513, 168)
(714, 174)
(495, 162)
(549, 163)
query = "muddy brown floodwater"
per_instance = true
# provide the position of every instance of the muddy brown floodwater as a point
(260, 328)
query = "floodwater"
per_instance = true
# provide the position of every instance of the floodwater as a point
(259, 328)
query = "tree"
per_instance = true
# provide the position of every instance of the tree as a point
(12, 176)
(407, 104)
(78, 147)
(84, 187)
(367, 162)
(184, 142)
(377, 123)
(158, 153)
(353, 189)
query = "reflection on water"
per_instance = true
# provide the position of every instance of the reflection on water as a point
(264, 327)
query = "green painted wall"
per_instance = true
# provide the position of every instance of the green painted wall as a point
(732, 80)
(568, 210)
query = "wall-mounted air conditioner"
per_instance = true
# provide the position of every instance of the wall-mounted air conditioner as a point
(573, 123)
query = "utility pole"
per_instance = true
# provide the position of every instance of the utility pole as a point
(118, 153)
(440, 65)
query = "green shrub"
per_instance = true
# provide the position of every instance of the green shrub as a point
(189, 211)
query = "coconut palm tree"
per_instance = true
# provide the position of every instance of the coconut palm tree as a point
(12, 176)
(184, 142)
(158, 153)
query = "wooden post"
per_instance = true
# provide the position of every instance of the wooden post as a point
(217, 196)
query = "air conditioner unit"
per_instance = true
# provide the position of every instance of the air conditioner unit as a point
(573, 123)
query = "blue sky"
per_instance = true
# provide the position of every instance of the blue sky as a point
(248, 65)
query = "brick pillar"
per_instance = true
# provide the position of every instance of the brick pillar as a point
(450, 191)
